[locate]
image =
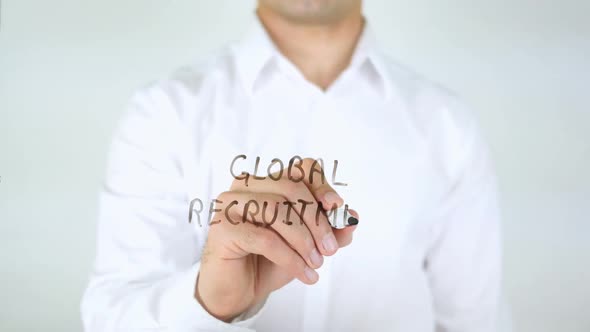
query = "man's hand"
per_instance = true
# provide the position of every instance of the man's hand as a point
(243, 262)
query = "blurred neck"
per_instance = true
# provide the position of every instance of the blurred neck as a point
(320, 52)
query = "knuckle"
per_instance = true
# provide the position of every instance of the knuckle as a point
(307, 162)
(297, 264)
(325, 188)
(303, 244)
(308, 243)
(236, 184)
(225, 196)
(290, 188)
(270, 200)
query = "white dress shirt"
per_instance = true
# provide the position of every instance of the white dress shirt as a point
(425, 255)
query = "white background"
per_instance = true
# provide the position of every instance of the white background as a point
(67, 68)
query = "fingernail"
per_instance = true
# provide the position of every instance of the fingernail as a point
(311, 274)
(331, 198)
(330, 243)
(315, 258)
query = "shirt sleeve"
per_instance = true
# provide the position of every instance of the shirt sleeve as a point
(463, 264)
(147, 259)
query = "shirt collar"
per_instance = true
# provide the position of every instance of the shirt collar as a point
(252, 53)
(367, 53)
(256, 50)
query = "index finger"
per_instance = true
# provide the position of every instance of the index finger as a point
(315, 180)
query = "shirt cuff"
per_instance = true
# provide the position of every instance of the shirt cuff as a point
(180, 311)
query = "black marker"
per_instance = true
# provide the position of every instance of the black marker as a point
(340, 218)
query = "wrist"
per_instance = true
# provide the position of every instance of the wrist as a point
(219, 308)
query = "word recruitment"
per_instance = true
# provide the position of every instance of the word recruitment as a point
(256, 212)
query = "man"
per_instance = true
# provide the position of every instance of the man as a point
(401, 153)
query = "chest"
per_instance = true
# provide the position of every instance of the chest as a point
(370, 153)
